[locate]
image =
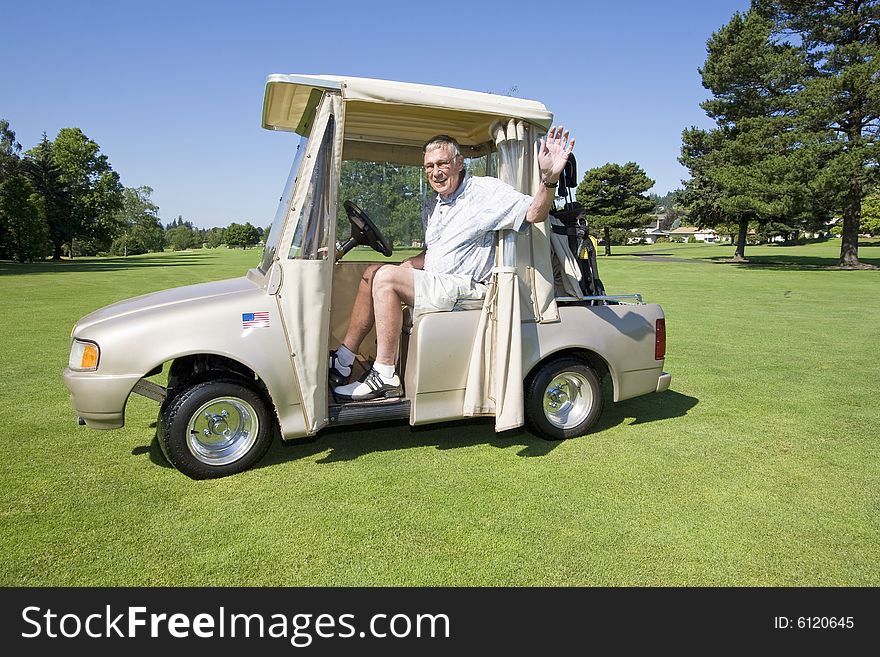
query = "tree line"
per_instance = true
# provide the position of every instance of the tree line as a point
(63, 198)
(795, 101)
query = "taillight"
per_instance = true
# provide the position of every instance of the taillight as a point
(660, 340)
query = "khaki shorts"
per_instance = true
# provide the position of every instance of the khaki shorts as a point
(435, 293)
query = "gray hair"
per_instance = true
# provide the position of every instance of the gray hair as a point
(440, 140)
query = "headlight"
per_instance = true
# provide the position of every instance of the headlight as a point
(84, 356)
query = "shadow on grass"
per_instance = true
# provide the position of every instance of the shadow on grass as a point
(787, 262)
(666, 257)
(780, 261)
(781, 258)
(347, 443)
(154, 451)
(648, 408)
(108, 264)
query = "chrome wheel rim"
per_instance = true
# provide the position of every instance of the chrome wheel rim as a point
(222, 430)
(568, 399)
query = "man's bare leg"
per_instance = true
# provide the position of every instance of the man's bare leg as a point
(392, 287)
(362, 314)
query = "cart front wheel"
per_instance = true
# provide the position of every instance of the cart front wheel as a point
(215, 428)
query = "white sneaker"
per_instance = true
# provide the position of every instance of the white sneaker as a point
(371, 386)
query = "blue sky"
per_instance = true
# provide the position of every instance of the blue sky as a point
(173, 91)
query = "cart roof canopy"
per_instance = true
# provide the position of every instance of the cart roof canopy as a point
(392, 120)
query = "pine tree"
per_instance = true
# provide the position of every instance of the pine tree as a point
(755, 166)
(614, 196)
(46, 178)
(841, 94)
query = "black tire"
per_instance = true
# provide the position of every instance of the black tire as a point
(197, 436)
(563, 399)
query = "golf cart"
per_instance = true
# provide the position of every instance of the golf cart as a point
(247, 355)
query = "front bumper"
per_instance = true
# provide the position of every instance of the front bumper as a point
(100, 399)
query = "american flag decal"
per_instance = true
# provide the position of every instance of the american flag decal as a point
(255, 320)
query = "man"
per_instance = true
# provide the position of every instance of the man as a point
(460, 225)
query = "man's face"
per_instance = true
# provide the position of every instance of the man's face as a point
(443, 170)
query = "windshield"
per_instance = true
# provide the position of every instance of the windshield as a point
(283, 207)
(393, 196)
(312, 229)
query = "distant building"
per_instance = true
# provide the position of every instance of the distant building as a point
(650, 233)
(682, 233)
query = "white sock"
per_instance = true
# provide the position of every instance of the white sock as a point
(385, 371)
(344, 356)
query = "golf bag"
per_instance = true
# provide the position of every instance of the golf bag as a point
(572, 223)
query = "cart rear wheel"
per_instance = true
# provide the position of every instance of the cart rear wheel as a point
(563, 399)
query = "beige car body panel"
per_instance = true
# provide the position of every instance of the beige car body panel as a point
(374, 119)
(139, 334)
(623, 336)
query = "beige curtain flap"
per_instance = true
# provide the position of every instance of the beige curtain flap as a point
(507, 377)
(308, 298)
(495, 376)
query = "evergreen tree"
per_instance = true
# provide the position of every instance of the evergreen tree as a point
(26, 235)
(10, 151)
(23, 229)
(46, 178)
(841, 94)
(755, 166)
(614, 197)
(10, 158)
(86, 187)
(180, 222)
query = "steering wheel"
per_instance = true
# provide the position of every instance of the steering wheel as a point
(363, 231)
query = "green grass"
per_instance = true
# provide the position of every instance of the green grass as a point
(759, 467)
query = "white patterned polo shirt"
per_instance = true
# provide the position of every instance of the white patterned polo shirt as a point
(460, 228)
